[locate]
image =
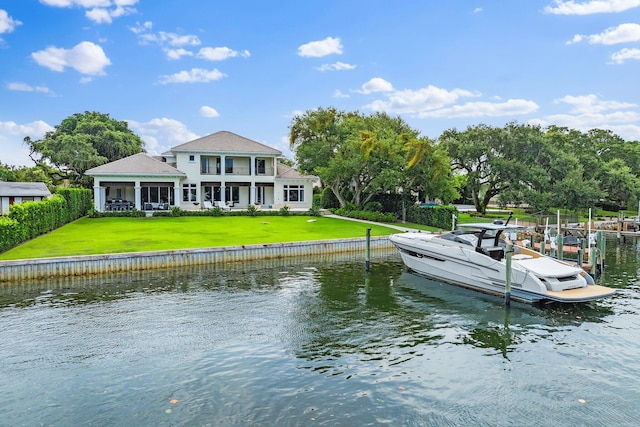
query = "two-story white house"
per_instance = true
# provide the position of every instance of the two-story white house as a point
(219, 168)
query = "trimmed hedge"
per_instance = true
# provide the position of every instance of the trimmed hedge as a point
(366, 215)
(79, 201)
(30, 219)
(119, 214)
(434, 216)
(219, 212)
(175, 212)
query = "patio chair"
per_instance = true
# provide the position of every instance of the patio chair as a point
(223, 206)
(207, 205)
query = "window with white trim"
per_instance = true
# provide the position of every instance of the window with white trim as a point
(232, 194)
(294, 193)
(188, 192)
(261, 167)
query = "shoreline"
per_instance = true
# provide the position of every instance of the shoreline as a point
(86, 265)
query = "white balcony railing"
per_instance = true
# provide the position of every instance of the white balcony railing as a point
(238, 171)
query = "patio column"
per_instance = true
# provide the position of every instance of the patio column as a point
(223, 166)
(223, 193)
(98, 203)
(137, 193)
(252, 194)
(252, 166)
(176, 194)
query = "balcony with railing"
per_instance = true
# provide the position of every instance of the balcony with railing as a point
(234, 166)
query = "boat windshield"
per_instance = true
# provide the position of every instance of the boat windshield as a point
(466, 237)
(478, 237)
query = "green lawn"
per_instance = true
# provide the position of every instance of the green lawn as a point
(89, 236)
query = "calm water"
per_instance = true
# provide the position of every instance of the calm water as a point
(314, 342)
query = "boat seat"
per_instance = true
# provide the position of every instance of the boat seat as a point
(495, 252)
(521, 256)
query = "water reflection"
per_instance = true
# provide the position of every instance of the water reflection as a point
(311, 341)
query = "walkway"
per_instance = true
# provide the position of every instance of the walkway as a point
(384, 224)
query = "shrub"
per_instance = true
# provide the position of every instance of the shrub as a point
(328, 200)
(133, 213)
(373, 207)
(11, 233)
(79, 201)
(434, 216)
(284, 211)
(366, 215)
(251, 210)
(315, 205)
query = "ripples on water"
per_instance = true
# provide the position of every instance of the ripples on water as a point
(313, 342)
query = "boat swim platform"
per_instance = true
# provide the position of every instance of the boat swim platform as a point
(591, 292)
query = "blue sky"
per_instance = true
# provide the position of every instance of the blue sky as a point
(176, 70)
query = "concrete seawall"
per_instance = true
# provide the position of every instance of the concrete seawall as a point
(42, 268)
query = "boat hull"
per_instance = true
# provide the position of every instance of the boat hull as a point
(467, 278)
(459, 265)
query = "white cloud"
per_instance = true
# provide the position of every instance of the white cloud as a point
(24, 87)
(320, 48)
(623, 33)
(572, 7)
(7, 24)
(172, 39)
(625, 124)
(477, 10)
(80, 3)
(100, 11)
(174, 54)
(206, 111)
(338, 94)
(435, 102)
(85, 57)
(418, 101)
(195, 75)
(161, 134)
(622, 55)
(220, 53)
(14, 150)
(142, 28)
(510, 107)
(174, 44)
(338, 66)
(591, 104)
(590, 112)
(163, 38)
(376, 84)
(99, 16)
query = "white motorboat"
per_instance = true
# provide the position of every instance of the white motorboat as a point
(475, 257)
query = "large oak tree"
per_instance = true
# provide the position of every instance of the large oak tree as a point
(361, 156)
(83, 141)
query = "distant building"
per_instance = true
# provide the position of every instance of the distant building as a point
(219, 168)
(19, 192)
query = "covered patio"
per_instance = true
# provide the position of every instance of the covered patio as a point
(136, 182)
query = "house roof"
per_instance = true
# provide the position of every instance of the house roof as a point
(287, 172)
(138, 164)
(24, 189)
(226, 142)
